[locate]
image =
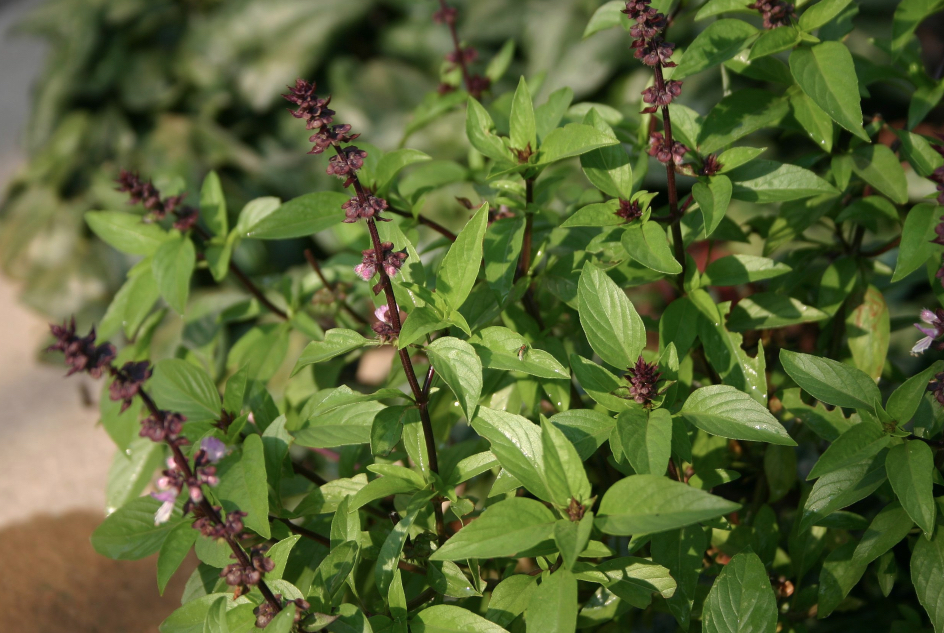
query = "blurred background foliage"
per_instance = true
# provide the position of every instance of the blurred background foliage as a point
(175, 88)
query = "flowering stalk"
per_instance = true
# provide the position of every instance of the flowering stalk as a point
(158, 208)
(460, 56)
(652, 49)
(380, 259)
(83, 354)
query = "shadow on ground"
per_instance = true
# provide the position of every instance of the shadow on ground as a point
(54, 581)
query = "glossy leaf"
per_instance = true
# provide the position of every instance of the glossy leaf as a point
(741, 599)
(721, 41)
(909, 467)
(613, 328)
(723, 410)
(460, 368)
(830, 381)
(826, 73)
(505, 529)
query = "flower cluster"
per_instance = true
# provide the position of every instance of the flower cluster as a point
(711, 166)
(232, 524)
(346, 164)
(651, 48)
(629, 211)
(173, 480)
(659, 148)
(390, 260)
(265, 611)
(642, 378)
(82, 354)
(936, 386)
(659, 98)
(356, 209)
(934, 319)
(128, 382)
(461, 56)
(243, 576)
(938, 176)
(165, 426)
(776, 13)
(384, 327)
(145, 193)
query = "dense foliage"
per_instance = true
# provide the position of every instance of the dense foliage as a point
(650, 382)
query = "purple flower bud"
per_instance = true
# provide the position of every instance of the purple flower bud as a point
(328, 137)
(168, 499)
(355, 209)
(446, 15)
(81, 352)
(629, 211)
(935, 320)
(312, 108)
(346, 164)
(214, 449)
(391, 261)
(661, 151)
(385, 329)
(776, 13)
(642, 380)
(128, 382)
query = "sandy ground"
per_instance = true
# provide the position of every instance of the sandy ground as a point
(52, 579)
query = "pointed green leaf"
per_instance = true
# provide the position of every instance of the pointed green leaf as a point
(523, 127)
(460, 267)
(647, 245)
(722, 40)
(909, 467)
(741, 599)
(553, 606)
(126, 232)
(827, 75)
(613, 327)
(447, 618)
(460, 368)
(505, 529)
(831, 382)
(184, 388)
(860, 443)
(723, 410)
(646, 439)
(173, 266)
(300, 217)
(713, 200)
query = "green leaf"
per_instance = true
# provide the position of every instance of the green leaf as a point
(923, 101)
(916, 235)
(927, 574)
(813, 119)
(517, 443)
(173, 551)
(216, 617)
(447, 578)
(741, 599)
(284, 620)
(190, 618)
(734, 270)
(131, 471)
(643, 504)
(126, 232)
(606, 17)
(179, 386)
(839, 574)
(459, 366)
(646, 243)
(826, 73)
(337, 342)
(768, 310)
(725, 411)
(721, 41)
(521, 121)
(909, 467)
(740, 114)
(572, 140)
(867, 332)
(886, 530)
(908, 15)
(213, 205)
(724, 351)
(860, 443)
(478, 128)
(390, 551)
(585, 428)
(821, 13)
(330, 576)
(878, 166)
(681, 551)
(131, 304)
(717, 7)
(599, 383)
(572, 537)
(919, 152)
(502, 248)
(173, 266)
(300, 217)
(645, 439)
(499, 65)
(505, 529)
(842, 488)
(596, 214)
(460, 266)
(770, 181)
(501, 348)
(831, 382)
(563, 468)
(713, 200)
(244, 486)
(447, 618)
(633, 580)
(553, 606)
(342, 426)
(904, 401)
(775, 41)
(129, 533)
(394, 162)
(608, 168)
(613, 328)
(511, 597)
